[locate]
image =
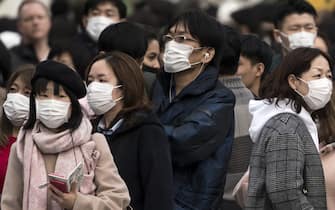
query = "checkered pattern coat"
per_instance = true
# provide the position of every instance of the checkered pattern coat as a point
(285, 168)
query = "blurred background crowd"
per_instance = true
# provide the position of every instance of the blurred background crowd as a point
(246, 16)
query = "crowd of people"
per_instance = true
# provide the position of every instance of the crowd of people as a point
(191, 115)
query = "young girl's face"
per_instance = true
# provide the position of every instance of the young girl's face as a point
(53, 106)
(51, 93)
(16, 106)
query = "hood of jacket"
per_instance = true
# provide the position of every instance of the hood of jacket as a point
(263, 110)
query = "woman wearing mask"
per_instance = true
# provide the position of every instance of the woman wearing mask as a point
(56, 138)
(15, 112)
(285, 167)
(137, 141)
(151, 61)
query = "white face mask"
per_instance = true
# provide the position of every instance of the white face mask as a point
(52, 113)
(99, 97)
(300, 39)
(319, 93)
(176, 57)
(96, 24)
(16, 108)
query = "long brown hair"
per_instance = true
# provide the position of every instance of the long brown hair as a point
(326, 120)
(276, 86)
(25, 73)
(130, 76)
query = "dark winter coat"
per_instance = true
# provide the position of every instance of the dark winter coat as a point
(199, 122)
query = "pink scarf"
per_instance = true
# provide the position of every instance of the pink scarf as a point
(32, 144)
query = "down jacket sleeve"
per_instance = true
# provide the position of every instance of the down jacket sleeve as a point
(196, 136)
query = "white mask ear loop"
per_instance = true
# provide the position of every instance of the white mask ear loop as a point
(297, 90)
(121, 97)
(282, 43)
(202, 63)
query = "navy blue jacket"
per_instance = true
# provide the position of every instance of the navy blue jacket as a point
(199, 122)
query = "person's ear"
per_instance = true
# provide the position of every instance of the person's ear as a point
(208, 55)
(259, 69)
(84, 20)
(276, 36)
(292, 81)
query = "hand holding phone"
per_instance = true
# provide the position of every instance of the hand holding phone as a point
(59, 182)
(65, 200)
(64, 183)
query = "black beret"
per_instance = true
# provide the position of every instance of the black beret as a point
(62, 74)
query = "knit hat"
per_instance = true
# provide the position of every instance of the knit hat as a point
(62, 74)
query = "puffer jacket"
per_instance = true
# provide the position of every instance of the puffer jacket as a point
(199, 122)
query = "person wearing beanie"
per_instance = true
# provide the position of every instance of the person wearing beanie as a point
(56, 139)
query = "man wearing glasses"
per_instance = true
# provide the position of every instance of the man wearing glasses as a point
(196, 110)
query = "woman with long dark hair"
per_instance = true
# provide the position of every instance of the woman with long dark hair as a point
(285, 167)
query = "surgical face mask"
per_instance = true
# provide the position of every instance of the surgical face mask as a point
(300, 39)
(319, 93)
(96, 24)
(16, 108)
(52, 113)
(176, 57)
(99, 97)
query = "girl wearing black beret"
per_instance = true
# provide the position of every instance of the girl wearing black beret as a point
(55, 139)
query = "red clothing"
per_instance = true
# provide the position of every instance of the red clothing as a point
(4, 154)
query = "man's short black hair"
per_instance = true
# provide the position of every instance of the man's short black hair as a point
(257, 51)
(289, 7)
(125, 37)
(231, 51)
(79, 54)
(204, 28)
(119, 4)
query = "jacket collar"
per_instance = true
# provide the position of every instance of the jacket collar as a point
(27, 51)
(204, 82)
(134, 120)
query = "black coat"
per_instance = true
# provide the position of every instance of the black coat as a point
(142, 154)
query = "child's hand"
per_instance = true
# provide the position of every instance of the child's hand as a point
(65, 200)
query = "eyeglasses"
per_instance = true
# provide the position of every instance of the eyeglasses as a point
(177, 38)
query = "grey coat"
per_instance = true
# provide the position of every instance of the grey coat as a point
(285, 168)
